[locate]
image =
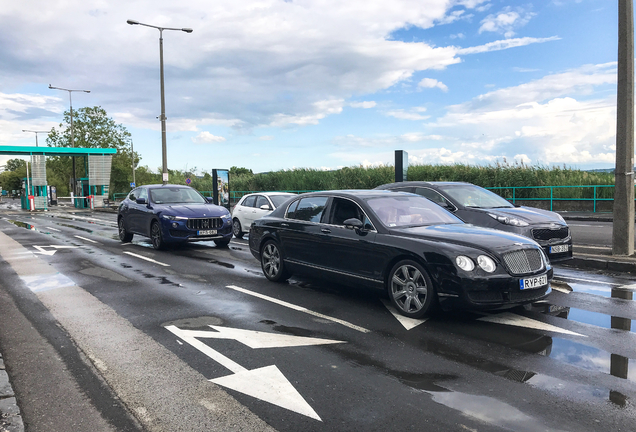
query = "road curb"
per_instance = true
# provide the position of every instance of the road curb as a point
(10, 418)
(601, 264)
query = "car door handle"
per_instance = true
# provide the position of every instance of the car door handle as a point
(283, 224)
(326, 230)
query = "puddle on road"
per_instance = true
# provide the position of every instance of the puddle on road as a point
(26, 226)
(77, 228)
(600, 319)
(593, 359)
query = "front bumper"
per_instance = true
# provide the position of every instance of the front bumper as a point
(493, 292)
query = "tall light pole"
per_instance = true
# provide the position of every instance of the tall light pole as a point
(623, 227)
(36, 134)
(70, 99)
(164, 153)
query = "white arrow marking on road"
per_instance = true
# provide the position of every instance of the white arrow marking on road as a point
(267, 383)
(508, 318)
(270, 385)
(407, 322)
(51, 252)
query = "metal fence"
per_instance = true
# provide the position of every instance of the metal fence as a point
(594, 198)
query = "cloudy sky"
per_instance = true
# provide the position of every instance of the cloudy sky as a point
(278, 84)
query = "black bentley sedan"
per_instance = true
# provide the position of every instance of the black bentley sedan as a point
(404, 243)
(478, 206)
(172, 214)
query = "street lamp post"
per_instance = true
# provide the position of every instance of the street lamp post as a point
(36, 134)
(164, 153)
(70, 99)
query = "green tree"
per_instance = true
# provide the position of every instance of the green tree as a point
(92, 128)
(16, 164)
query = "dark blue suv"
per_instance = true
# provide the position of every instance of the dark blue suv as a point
(172, 214)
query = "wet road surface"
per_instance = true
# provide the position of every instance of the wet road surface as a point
(199, 332)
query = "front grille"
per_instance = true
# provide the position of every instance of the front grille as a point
(523, 261)
(177, 233)
(547, 234)
(204, 223)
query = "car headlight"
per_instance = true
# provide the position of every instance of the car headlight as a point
(560, 217)
(486, 263)
(170, 217)
(464, 263)
(508, 220)
(226, 216)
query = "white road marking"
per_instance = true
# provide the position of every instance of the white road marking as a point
(563, 290)
(592, 247)
(508, 318)
(43, 251)
(267, 383)
(566, 279)
(53, 229)
(257, 339)
(147, 259)
(46, 282)
(407, 322)
(84, 238)
(299, 308)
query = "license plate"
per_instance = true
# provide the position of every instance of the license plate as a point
(559, 249)
(206, 232)
(534, 282)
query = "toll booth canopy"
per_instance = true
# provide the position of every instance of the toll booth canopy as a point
(36, 191)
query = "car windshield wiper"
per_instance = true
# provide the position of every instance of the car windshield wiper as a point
(508, 206)
(469, 206)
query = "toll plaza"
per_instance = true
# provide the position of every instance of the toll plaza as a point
(87, 192)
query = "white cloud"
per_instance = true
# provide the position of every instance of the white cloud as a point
(266, 138)
(406, 115)
(364, 104)
(543, 118)
(206, 137)
(321, 109)
(432, 83)
(505, 44)
(506, 21)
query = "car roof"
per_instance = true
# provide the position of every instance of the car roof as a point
(423, 183)
(158, 186)
(270, 193)
(359, 193)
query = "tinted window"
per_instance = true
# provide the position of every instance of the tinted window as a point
(343, 209)
(474, 196)
(249, 201)
(261, 201)
(310, 209)
(279, 199)
(431, 194)
(292, 209)
(176, 195)
(410, 210)
(133, 194)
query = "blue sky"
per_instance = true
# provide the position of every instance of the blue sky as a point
(275, 84)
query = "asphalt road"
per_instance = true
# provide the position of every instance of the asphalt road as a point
(195, 338)
(592, 234)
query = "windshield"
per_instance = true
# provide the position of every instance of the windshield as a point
(469, 195)
(410, 210)
(279, 199)
(176, 195)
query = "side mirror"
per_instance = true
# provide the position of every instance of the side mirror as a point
(353, 223)
(210, 200)
(141, 200)
(265, 207)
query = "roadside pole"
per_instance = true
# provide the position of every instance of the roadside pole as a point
(623, 231)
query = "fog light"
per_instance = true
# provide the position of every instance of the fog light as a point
(175, 225)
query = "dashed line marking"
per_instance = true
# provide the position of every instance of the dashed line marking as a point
(298, 308)
(84, 238)
(53, 229)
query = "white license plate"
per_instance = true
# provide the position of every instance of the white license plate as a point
(534, 282)
(206, 232)
(559, 248)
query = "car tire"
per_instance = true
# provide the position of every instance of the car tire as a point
(410, 289)
(237, 228)
(221, 243)
(156, 236)
(272, 263)
(124, 235)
